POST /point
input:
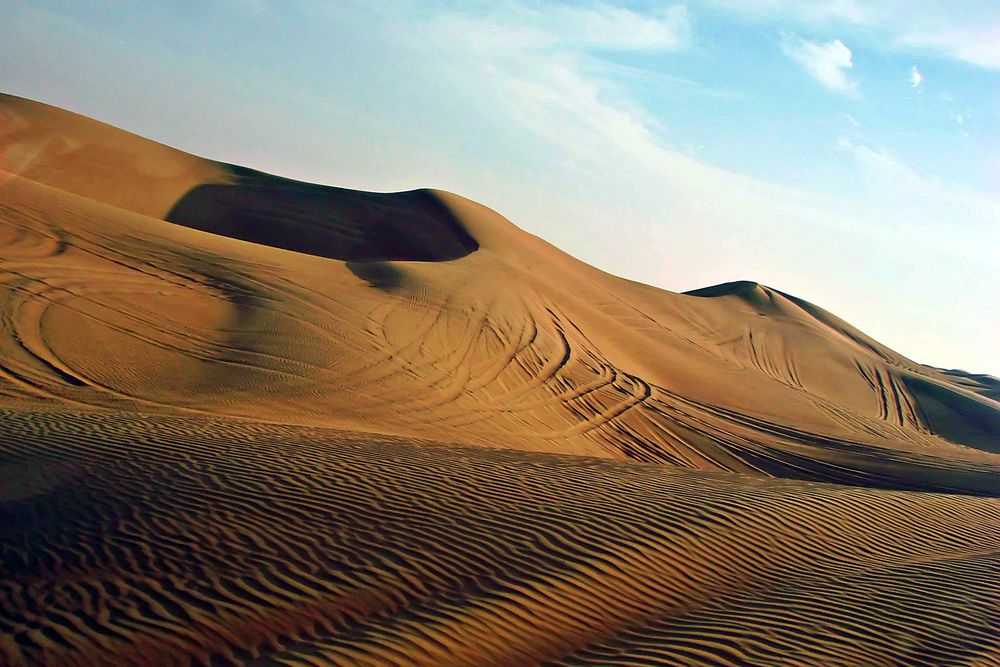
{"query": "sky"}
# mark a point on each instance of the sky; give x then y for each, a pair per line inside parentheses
(846, 152)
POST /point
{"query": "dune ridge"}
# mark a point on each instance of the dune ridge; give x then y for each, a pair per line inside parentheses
(250, 419)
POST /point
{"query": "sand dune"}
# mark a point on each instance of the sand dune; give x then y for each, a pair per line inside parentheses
(225, 396)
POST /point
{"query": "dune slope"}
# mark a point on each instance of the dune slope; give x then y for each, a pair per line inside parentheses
(224, 395)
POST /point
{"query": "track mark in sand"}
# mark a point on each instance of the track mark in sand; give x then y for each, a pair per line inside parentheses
(230, 541)
(440, 355)
(25, 237)
(515, 368)
(895, 406)
(778, 365)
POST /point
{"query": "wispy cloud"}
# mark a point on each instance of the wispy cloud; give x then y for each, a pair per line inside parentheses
(960, 119)
(926, 201)
(966, 30)
(602, 25)
(978, 44)
(878, 164)
(827, 62)
(812, 12)
(595, 25)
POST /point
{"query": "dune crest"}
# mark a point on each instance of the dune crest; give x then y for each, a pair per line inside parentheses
(197, 357)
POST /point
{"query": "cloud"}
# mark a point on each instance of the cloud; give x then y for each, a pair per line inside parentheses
(976, 44)
(916, 78)
(926, 202)
(960, 119)
(813, 12)
(603, 25)
(827, 62)
(879, 164)
(595, 25)
(966, 30)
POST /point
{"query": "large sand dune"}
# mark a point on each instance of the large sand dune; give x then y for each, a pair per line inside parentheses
(247, 418)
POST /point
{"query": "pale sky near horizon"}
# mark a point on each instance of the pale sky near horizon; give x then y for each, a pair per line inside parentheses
(845, 152)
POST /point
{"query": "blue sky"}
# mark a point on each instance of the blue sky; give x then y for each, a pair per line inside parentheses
(845, 152)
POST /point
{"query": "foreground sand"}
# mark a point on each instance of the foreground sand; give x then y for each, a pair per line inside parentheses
(224, 395)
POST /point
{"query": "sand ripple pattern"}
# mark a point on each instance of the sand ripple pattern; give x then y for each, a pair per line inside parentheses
(139, 539)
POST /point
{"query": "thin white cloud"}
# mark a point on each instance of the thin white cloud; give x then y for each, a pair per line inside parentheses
(595, 25)
(929, 204)
(916, 78)
(602, 25)
(879, 164)
(827, 62)
(966, 30)
(960, 119)
(805, 11)
(978, 44)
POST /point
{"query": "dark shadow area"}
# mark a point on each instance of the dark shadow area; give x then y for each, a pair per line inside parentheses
(980, 383)
(380, 275)
(959, 418)
(724, 289)
(326, 221)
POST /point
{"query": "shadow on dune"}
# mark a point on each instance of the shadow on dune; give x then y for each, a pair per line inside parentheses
(380, 275)
(959, 418)
(326, 221)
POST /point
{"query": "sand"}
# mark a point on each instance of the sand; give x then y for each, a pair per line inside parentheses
(246, 418)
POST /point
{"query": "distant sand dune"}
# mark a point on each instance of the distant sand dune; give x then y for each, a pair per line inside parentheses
(223, 395)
